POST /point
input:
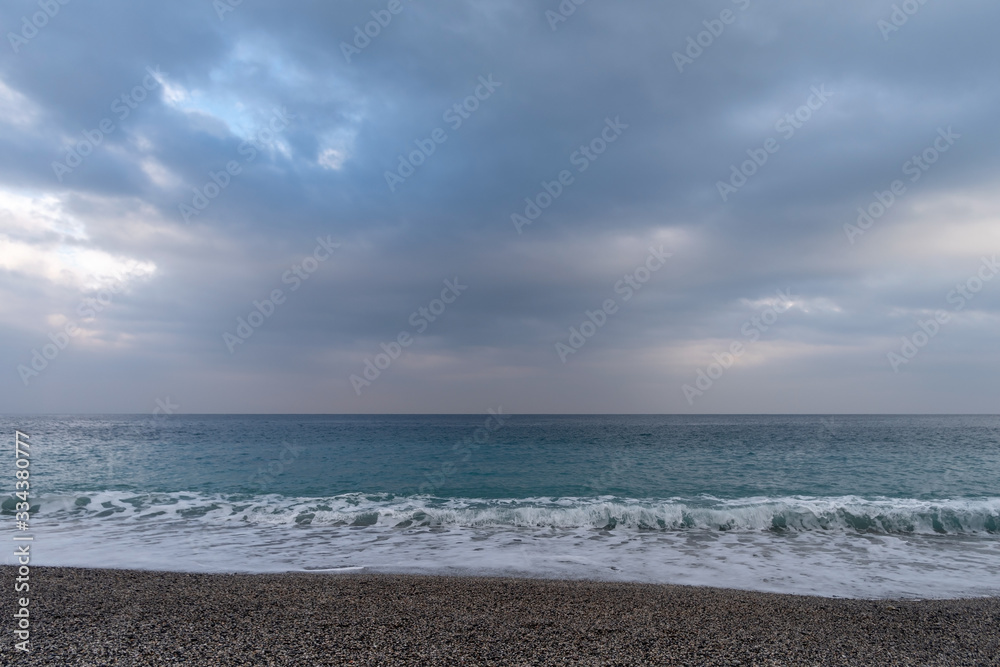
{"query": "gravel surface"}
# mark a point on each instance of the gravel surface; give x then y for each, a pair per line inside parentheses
(134, 618)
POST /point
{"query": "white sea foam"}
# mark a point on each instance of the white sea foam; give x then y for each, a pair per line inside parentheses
(846, 546)
(785, 514)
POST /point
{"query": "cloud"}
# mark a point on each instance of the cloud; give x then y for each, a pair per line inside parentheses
(217, 88)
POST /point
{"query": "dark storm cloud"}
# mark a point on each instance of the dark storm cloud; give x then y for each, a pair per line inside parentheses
(879, 97)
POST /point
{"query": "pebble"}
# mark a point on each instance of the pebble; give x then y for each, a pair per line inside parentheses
(135, 618)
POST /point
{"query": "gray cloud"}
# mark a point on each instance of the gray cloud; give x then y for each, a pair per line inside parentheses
(323, 173)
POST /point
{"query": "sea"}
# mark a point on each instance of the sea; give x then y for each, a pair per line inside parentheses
(836, 506)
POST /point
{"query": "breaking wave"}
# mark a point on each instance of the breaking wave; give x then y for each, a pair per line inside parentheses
(979, 516)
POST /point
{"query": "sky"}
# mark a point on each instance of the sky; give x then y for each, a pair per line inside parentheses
(724, 206)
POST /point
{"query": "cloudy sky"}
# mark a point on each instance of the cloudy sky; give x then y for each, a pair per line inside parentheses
(237, 207)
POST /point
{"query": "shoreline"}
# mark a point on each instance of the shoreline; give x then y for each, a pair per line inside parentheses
(138, 617)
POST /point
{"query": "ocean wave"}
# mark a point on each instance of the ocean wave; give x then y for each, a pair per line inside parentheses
(356, 510)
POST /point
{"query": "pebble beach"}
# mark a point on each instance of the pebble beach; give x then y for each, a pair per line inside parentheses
(134, 618)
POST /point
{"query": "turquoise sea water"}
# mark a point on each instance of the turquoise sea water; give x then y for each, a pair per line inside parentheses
(863, 506)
